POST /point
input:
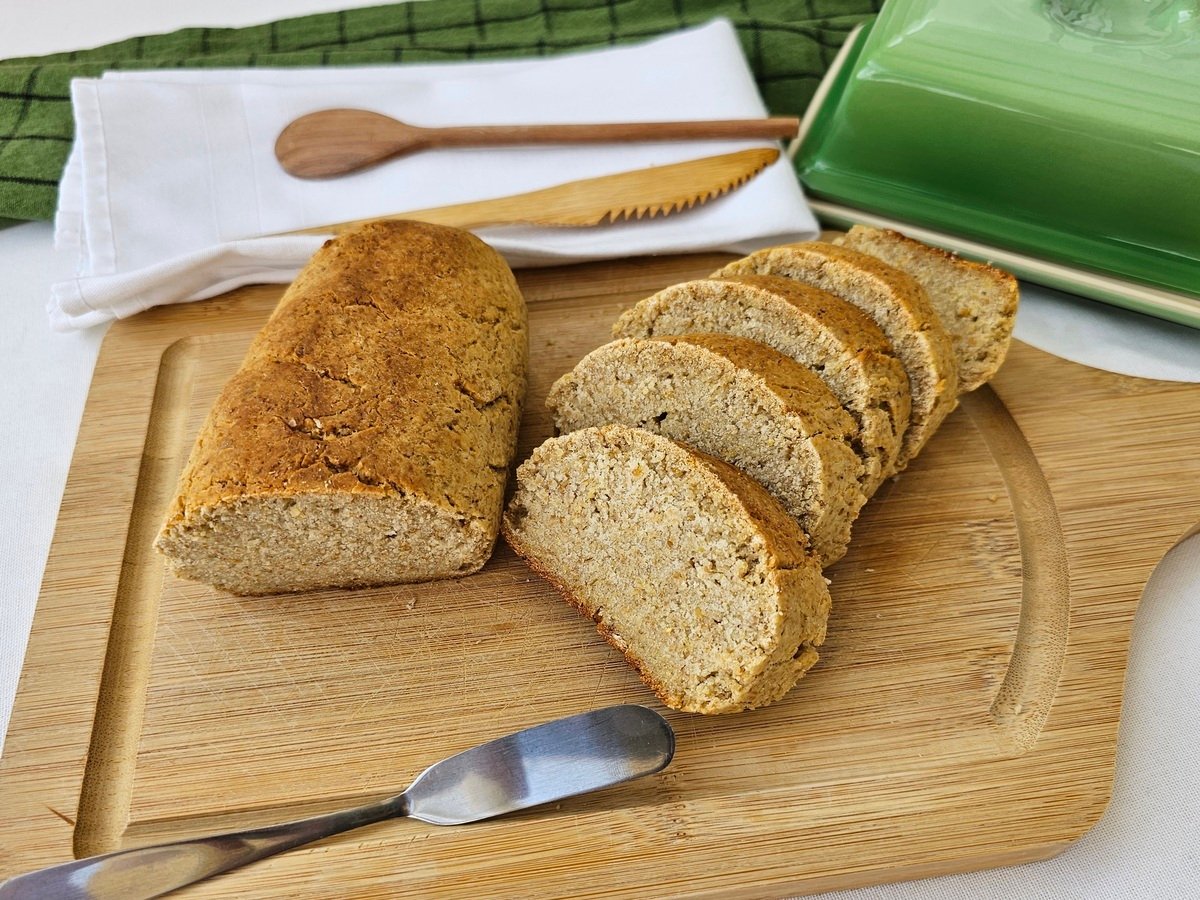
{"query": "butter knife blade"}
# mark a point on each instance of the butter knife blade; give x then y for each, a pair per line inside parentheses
(638, 194)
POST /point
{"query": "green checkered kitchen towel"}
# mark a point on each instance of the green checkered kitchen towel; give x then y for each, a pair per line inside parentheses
(789, 44)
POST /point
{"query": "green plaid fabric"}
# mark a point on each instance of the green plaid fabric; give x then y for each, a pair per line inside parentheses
(789, 44)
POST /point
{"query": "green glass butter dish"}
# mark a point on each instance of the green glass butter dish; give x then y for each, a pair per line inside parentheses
(1065, 133)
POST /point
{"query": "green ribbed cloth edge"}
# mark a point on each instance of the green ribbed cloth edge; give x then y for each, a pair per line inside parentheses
(789, 44)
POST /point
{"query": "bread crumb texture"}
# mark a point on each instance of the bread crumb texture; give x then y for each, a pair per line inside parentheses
(367, 436)
(686, 565)
(976, 303)
(835, 339)
(898, 305)
(741, 401)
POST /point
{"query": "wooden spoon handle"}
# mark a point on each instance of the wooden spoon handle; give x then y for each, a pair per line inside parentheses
(614, 133)
(337, 141)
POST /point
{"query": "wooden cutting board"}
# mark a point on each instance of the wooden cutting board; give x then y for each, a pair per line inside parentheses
(964, 712)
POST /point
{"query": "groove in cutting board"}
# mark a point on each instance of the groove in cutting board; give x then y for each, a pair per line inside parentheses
(1025, 696)
(112, 752)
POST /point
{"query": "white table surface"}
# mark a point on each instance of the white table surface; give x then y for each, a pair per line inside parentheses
(1146, 844)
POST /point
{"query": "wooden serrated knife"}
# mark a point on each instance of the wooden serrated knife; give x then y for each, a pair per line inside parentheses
(640, 194)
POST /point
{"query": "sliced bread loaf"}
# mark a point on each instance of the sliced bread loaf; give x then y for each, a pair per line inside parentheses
(686, 566)
(739, 400)
(976, 303)
(834, 338)
(367, 436)
(898, 305)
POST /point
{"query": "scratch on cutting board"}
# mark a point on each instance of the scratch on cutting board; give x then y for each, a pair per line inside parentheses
(917, 566)
(352, 714)
(277, 662)
(190, 658)
(600, 682)
(66, 819)
(924, 556)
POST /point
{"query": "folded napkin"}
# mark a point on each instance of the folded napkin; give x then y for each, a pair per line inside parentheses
(172, 182)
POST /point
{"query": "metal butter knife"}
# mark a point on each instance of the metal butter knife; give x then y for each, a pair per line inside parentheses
(642, 193)
(538, 765)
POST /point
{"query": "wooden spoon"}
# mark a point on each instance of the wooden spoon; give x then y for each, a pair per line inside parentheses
(336, 141)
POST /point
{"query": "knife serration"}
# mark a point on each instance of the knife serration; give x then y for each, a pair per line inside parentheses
(625, 196)
(689, 201)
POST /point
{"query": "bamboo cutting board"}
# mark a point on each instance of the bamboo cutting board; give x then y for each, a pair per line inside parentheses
(963, 714)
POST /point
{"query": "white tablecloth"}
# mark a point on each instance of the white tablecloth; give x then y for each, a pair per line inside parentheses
(1144, 847)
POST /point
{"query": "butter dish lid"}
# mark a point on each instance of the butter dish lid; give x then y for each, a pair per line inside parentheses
(1068, 130)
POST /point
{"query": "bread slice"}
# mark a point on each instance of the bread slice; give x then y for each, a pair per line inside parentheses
(739, 400)
(367, 436)
(900, 308)
(834, 338)
(686, 565)
(976, 303)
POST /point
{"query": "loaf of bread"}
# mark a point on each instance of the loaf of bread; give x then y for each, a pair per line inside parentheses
(739, 400)
(899, 306)
(687, 566)
(831, 336)
(977, 303)
(367, 436)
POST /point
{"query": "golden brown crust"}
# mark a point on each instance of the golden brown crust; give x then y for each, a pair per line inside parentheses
(393, 366)
(999, 276)
(335, 392)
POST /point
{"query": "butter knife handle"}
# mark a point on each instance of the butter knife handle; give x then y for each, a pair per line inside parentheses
(147, 872)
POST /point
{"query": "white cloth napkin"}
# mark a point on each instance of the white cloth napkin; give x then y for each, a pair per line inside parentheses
(173, 179)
